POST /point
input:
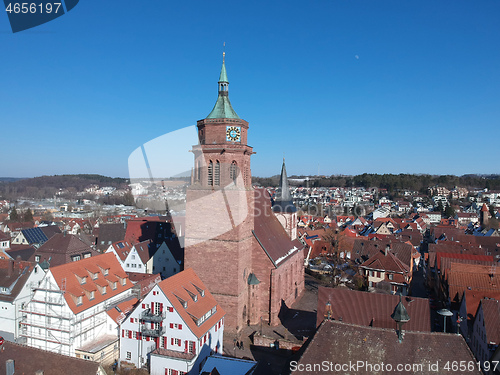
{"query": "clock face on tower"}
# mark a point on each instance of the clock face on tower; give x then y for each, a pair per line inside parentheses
(233, 133)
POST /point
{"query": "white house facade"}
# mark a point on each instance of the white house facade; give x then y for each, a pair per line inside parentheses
(17, 281)
(176, 326)
(68, 309)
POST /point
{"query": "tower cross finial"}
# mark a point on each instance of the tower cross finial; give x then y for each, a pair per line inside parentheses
(223, 52)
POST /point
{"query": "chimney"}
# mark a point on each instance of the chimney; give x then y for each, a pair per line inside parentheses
(387, 248)
(9, 367)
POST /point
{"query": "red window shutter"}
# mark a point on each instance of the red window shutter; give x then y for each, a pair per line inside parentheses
(194, 346)
(172, 340)
(171, 325)
(186, 346)
(152, 326)
(179, 342)
(152, 306)
(180, 326)
(131, 320)
(123, 333)
(161, 308)
(147, 338)
(143, 305)
(129, 334)
(139, 336)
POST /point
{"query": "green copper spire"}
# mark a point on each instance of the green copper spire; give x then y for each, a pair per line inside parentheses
(223, 74)
(223, 108)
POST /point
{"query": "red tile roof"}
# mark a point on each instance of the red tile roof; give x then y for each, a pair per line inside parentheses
(474, 297)
(463, 277)
(372, 309)
(67, 278)
(120, 311)
(28, 360)
(339, 343)
(184, 286)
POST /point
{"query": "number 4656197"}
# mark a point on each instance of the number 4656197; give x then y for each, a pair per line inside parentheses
(32, 8)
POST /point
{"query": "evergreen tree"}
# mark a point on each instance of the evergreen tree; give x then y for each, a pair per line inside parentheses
(14, 216)
(28, 215)
(449, 211)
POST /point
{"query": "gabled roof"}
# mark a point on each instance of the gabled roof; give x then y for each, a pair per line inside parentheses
(463, 277)
(372, 309)
(29, 360)
(491, 313)
(269, 233)
(61, 248)
(386, 262)
(109, 233)
(187, 286)
(13, 275)
(474, 297)
(119, 312)
(342, 343)
(23, 251)
(142, 249)
(69, 278)
(4, 236)
(122, 249)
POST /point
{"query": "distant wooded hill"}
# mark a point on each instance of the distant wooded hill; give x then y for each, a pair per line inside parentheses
(391, 182)
(47, 186)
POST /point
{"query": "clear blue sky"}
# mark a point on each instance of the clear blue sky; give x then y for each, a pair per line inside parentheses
(345, 86)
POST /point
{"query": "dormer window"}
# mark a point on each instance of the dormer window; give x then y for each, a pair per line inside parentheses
(37, 258)
(83, 280)
(185, 305)
(92, 295)
(79, 300)
(94, 276)
(103, 290)
(105, 272)
(114, 285)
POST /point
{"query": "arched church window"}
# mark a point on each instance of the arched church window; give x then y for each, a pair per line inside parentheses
(210, 173)
(233, 171)
(217, 173)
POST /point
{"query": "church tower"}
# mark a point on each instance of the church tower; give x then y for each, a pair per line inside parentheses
(283, 207)
(219, 208)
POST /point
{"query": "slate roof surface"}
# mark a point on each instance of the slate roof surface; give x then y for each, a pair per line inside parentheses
(109, 233)
(24, 251)
(185, 285)
(372, 309)
(66, 278)
(28, 360)
(491, 312)
(61, 247)
(269, 233)
(355, 343)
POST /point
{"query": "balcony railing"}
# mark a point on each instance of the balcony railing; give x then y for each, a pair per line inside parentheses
(152, 317)
(152, 331)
